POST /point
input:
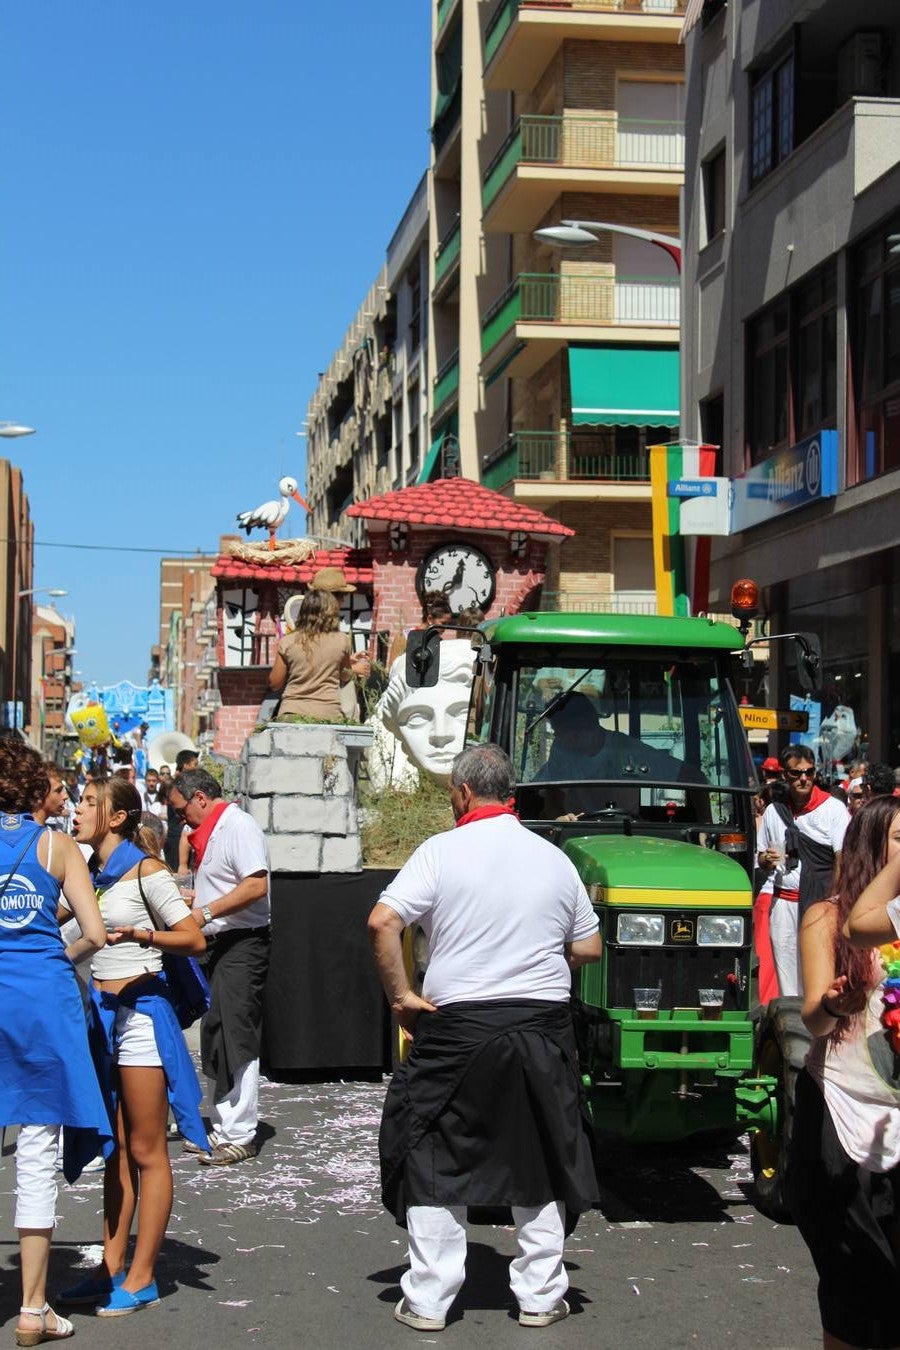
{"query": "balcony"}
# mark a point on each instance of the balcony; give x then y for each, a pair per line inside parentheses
(523, 36)
(540, 313)
(446, 259)
(444, 10)
(537, 465)
(543, 157)
(446, 381)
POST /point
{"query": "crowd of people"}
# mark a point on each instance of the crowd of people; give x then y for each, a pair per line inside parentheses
(488, 1109)
(102, 1059)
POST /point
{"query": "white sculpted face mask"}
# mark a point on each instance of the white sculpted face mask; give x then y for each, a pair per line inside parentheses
(431, 723)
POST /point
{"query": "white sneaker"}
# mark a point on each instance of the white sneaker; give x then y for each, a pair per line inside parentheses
(404, 1314)
(544, 1319)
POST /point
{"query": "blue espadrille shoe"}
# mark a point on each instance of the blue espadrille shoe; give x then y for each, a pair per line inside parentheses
(92, 1289)
(121, 1301)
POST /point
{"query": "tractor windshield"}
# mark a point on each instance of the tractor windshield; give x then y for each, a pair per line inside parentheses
(659, 726)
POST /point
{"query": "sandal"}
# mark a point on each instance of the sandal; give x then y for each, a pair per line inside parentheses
(223, 1155)
(37, 1336)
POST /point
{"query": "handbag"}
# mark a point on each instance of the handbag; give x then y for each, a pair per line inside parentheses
(188, 986)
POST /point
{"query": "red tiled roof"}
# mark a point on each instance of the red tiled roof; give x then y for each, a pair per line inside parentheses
(461, 504)
(356, 563)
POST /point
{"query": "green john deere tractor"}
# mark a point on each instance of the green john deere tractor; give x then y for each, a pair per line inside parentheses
(631, 757)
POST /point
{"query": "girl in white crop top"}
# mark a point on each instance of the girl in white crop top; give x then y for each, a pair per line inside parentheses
(843, 1180)
(108, 818)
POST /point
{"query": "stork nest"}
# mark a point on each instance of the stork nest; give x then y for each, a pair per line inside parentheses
(285, 551)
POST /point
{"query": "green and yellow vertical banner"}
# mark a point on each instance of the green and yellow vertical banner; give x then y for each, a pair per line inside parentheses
(680, 565)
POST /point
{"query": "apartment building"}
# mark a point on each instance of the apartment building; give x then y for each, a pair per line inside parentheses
(555, 370)
(792, 286)
(52, 644)
(172, 572)
(367, 422)
(16, 590)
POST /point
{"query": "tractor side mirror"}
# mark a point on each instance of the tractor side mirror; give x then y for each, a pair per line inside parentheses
(809, 661)
(423, 658)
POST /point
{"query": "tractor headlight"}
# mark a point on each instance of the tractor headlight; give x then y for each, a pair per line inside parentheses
(640, 930)
(720, 930)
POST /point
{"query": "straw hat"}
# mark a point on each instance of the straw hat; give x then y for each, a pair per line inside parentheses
(331, 579)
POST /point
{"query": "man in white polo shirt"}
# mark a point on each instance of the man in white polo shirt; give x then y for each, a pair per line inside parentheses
(231, 905)
(488, 1109)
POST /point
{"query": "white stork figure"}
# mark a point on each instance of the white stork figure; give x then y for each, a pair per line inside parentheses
(271, 514)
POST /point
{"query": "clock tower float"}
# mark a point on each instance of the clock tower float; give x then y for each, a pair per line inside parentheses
(475, 545)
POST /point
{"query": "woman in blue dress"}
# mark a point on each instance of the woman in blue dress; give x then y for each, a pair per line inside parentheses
(47, 1080)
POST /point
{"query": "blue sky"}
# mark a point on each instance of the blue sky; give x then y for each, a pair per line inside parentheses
(196, 197)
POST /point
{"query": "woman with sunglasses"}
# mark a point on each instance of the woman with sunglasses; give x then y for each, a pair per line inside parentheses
(843, 1175)
(798, 849)
(140, 1053)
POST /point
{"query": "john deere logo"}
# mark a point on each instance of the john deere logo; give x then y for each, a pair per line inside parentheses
(682, 930)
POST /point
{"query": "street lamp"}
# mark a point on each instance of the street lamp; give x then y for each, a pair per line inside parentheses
(43, 590)
(11, 429)
(579, 233)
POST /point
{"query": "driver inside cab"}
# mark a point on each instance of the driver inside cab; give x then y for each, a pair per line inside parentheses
(584, 751)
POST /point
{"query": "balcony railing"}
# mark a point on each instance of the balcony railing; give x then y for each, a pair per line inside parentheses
(568, 602)
(581, 299)
(446, 253)
(502, 18)
(443, 13)
(446, 381)
(600, 141)
(536, 455)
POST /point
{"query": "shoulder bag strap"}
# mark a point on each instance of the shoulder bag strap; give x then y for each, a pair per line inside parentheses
(28, 842)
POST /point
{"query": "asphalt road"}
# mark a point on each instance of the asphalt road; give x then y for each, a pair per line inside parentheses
(293, 1248)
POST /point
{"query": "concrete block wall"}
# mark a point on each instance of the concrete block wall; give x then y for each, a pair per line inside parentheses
(298, 782)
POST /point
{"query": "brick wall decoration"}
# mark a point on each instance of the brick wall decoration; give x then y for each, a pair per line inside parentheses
(447, 510)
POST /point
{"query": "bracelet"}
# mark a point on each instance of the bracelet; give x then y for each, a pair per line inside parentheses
(828, 1012)
(148, 935)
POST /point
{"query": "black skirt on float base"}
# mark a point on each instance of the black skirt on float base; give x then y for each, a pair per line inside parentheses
(488, 1111)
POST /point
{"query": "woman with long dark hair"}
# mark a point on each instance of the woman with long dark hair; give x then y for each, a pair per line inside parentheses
(314, 661)
(843, 1173)
(138, 1044)
(47, 1080)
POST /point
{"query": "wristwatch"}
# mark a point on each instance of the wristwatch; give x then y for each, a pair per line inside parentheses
(207, 914)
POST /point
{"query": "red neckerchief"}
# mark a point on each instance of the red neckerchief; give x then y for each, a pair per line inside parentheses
(199, 838)
(486, 812)
(816, 798)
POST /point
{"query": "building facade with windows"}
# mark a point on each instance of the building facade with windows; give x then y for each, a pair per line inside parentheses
(16, 583)
(367, 422)
(791, 330)
(555, 370)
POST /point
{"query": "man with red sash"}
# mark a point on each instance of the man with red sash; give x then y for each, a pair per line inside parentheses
(488, 1109)
(799, 846)
(231, 905)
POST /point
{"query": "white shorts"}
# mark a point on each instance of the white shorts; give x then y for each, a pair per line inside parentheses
(135, 1041)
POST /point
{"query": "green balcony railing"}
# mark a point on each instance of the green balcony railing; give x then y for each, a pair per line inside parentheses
(532, 455)
(446, 253)
(600, 141)
(446, 381)
(581, 298)
(443, 13)
(498, 26)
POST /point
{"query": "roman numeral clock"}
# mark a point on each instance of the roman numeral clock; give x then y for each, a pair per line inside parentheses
(461, 572)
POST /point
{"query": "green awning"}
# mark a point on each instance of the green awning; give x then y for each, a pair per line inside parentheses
(434, 454)
(624, 386)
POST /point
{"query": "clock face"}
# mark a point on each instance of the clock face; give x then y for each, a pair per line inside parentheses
(461, 572)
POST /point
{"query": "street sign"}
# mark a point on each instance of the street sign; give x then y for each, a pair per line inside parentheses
(692, 487)
(773, 719)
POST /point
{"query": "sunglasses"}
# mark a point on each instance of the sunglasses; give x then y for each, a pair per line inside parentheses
(796, 774)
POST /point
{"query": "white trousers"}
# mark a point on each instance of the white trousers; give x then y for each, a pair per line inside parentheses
(437, 1258)
(234, 1118)
(784, 926)
(36, 1187)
